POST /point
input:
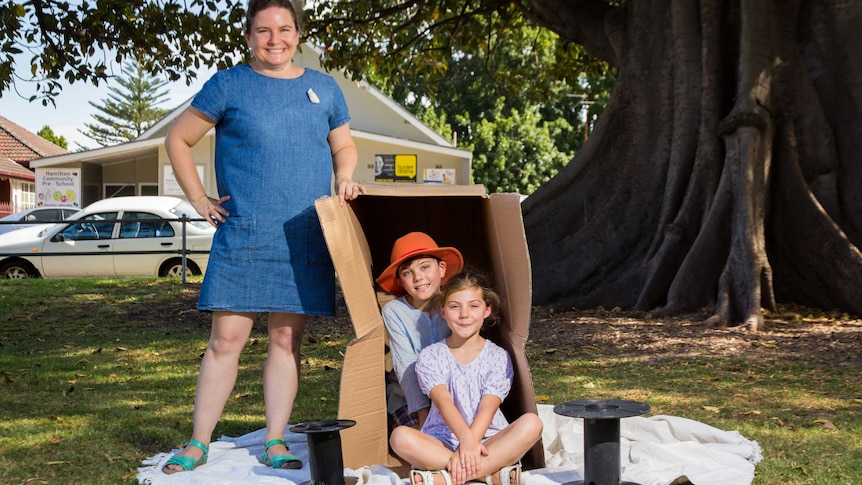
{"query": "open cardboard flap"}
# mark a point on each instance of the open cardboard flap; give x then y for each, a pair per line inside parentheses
(489, 232)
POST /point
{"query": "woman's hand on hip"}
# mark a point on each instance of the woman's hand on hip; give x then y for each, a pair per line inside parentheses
(211, 209)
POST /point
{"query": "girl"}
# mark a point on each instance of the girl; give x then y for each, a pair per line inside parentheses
(466, 437)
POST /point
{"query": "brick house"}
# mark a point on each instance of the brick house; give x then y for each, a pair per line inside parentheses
(18, 147)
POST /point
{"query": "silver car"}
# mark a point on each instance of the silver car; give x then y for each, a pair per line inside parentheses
(29, 217)
(122, 236)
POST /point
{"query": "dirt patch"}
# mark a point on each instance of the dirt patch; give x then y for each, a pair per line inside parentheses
(792, 335)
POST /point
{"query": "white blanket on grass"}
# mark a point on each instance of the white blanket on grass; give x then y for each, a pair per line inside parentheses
(654, 451)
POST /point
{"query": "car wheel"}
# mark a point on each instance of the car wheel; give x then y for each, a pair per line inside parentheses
(174, 267)
(17, 269)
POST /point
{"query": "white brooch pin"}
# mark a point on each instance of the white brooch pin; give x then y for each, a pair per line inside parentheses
(312, 96)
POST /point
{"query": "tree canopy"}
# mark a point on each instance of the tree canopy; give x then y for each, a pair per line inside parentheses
(87, 41)
(521, 132)
(48, 133)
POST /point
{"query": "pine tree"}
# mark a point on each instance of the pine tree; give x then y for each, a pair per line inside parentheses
(130, 109)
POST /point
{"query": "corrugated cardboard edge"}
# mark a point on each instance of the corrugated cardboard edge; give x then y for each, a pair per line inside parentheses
(512, 269)
(423, 190)
(363, 367)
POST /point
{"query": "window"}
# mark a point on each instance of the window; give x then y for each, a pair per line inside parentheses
(44, 215)
(90, 227)
(147, 189)
(66, 213)
(27, 196)
(114, 190)
(135, 225)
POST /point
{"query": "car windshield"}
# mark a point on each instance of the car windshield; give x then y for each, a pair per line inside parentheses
(186, 209)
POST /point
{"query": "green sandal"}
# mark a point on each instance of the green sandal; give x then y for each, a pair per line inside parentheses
(187, 463)
(287, 462)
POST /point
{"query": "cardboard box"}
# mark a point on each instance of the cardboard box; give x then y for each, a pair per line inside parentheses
(489, 232)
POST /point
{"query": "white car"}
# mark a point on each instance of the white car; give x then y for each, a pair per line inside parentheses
(121, 236)
(29, 217)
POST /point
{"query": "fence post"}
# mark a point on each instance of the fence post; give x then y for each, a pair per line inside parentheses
(183, 220)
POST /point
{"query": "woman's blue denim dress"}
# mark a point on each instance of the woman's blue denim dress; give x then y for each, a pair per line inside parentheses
(273, 158)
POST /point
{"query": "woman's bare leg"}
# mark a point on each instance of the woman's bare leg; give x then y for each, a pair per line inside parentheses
(217, 375)
(281, 373)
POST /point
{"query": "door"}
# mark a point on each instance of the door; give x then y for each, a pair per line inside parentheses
(83, 248)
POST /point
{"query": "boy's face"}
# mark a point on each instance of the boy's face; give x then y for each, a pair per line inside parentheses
(421, 278)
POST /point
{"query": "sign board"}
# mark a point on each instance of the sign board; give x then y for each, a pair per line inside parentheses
(395, 168)
(58, 187)
(444, 176)
(170, 186)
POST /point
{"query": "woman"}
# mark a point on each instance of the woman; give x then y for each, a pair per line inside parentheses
(281, 130)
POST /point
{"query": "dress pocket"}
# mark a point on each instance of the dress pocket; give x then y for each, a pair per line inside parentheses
(235, 238)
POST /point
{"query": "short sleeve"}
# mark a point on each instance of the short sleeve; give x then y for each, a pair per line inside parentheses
(340, 114)
(404, 347)
(499, 374)
(212, 98)
(430, 368)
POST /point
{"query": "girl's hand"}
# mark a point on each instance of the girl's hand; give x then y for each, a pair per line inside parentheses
(456, 471)
(347, 189)
(470, 453)
(211, 209)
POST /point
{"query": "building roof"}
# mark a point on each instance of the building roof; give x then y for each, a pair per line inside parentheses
(21, 146)
(12, 169)
(371, 110)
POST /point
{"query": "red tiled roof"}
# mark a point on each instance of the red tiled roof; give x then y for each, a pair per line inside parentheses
(22, 146)
(9, 168)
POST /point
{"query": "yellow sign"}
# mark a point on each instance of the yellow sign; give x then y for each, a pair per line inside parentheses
(395, 168)
(405, 166)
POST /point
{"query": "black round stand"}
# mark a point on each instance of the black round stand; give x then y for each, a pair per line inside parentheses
(324, 449)
(601, 436)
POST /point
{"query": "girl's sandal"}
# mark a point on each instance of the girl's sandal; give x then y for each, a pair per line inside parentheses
(427, 476)
(506, 475)
(187, 463)
(287, 462)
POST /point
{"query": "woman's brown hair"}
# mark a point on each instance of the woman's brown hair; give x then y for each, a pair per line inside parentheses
(255, 6)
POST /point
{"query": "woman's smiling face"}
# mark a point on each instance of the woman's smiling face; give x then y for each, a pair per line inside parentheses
(273, 39)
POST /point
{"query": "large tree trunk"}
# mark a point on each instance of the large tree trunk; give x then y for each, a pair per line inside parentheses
(726, 170)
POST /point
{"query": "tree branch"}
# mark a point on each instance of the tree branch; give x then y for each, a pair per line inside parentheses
(590, 23)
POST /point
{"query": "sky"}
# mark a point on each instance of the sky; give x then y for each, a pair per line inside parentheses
(72, 109)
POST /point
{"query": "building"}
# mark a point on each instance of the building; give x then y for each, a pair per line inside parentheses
(18, 147)
(393, 146)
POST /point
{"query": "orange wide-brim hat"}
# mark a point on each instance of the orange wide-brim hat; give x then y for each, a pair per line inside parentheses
(411, 246)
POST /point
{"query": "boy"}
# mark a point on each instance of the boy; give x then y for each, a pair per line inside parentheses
(417, 269)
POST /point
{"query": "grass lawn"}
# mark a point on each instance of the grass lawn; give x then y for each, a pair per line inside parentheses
(98, 374)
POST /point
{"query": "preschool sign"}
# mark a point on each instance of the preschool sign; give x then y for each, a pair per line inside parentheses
(58, 187)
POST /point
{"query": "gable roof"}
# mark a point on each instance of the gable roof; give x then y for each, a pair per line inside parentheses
(10, 168)
(21, 146)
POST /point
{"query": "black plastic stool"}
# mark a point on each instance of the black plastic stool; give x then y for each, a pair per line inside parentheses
(601, 436)
(324, 449)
